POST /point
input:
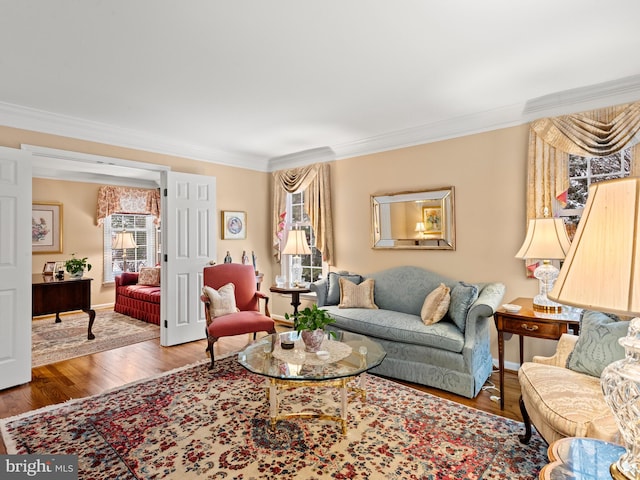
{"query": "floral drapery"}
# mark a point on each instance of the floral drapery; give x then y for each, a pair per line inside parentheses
(129, 200)
(315, 180)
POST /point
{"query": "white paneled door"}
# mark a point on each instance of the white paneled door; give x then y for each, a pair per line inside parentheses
(15, 267)
(188, 243)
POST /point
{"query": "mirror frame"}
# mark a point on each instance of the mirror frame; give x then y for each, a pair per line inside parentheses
(441, 199)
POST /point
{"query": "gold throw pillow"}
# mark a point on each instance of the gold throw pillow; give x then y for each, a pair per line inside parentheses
(435, 305)
(356, 296)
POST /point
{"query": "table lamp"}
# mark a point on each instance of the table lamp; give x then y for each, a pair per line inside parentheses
(602, 272)
(122, 241)
(546, 240)
(420, 228)
(296, 245)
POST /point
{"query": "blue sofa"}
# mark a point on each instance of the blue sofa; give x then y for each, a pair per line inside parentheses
(452, 355)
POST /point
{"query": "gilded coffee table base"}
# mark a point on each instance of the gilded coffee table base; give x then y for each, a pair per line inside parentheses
(274, 384)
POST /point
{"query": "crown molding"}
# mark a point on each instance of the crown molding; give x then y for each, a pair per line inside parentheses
(606, 94)
(300, 159)
(27, 118)
(433, 132)
(600, 95)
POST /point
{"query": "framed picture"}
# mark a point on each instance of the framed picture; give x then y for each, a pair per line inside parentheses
(434, 221)
(49, 268)
(234, 225)
(46, 227)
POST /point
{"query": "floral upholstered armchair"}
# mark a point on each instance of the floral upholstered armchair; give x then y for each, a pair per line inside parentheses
(561, 395)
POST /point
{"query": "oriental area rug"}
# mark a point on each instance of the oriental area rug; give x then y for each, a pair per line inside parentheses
(200, 423)
(53, 342)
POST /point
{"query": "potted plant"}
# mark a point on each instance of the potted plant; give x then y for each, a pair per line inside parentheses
(310, 322)
(76, 266)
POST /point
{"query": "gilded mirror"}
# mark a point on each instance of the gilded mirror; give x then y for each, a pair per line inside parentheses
(422, 219)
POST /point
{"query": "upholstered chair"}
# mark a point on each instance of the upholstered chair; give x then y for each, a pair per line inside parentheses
(232, 303)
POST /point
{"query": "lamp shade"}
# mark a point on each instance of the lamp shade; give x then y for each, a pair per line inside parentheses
(123, 240)
(420, 227)
(602, 269)
(297, 243)
(546, 240)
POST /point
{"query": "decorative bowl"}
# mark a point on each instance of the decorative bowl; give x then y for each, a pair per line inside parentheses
(511, 308)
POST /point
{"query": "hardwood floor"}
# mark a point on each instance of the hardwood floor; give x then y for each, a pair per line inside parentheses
(94, 374)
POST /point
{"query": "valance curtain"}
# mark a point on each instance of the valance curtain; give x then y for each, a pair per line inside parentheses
(127, 200)
(596, 133)
(315, 181)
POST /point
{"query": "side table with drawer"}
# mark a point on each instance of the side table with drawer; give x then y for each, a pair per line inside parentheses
(529, 323)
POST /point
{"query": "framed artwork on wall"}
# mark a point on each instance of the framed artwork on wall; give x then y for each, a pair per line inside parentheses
(46, 227)
(234, 225)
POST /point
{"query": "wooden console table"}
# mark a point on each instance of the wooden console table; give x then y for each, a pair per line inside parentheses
(50, 295)
(527, 323)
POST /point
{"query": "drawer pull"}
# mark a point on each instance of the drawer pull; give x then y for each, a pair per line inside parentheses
(531, 328)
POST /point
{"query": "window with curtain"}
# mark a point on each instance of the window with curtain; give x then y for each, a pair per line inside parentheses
(582, 172)
(312, 266)
(569, 152)
(143, 229)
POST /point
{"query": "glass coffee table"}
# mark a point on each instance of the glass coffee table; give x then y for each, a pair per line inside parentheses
(344, 358)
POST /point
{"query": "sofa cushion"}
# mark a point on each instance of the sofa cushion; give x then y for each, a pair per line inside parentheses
(398, 327)
(144, 293)
(597, 345)
(149, 276)
(222, 301)
(333, 288)
(357, 296)
(435, 305)
(462, 297)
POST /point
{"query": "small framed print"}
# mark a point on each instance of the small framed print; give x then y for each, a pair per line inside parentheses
(49, 268)
(234, 225)
(46, 227)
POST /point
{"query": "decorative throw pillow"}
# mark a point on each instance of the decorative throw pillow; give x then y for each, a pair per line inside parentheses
(149, 276)
(222, 301)
(462, 297)
(357, 296)
(333, 281)
(597, 344)
(435, 305)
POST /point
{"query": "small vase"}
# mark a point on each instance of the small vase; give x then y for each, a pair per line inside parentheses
(77, 274)
(313, 339)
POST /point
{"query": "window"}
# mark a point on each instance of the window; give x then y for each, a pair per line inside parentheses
(144, 234)
(312, 266)
(583, 171)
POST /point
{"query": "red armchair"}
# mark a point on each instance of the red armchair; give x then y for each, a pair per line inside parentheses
(248, 318)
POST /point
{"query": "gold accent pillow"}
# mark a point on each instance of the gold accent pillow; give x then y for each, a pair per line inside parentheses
(435, 305)
(149, 276)
(356, 296)
(222, 301)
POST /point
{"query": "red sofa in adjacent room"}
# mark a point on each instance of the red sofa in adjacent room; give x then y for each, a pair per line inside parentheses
(139, 300)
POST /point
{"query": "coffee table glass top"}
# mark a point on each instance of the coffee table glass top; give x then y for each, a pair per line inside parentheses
(350, 355)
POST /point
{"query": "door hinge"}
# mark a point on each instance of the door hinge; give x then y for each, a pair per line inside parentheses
(166, 324)
(166, 257)
(165, 192)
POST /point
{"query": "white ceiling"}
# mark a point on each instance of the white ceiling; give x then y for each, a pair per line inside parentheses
(270, 84)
